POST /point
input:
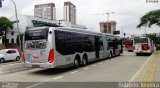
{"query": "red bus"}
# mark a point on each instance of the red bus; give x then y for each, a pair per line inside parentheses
(129, 45)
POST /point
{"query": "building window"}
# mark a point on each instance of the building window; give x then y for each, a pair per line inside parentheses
(7, 40)
(12, 33)
(12, 40)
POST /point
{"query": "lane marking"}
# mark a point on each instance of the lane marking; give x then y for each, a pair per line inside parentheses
(86, 68)
(100, 63)
(93, 65)
(73, 72)
(37, 84)
(34, 85)
(137, 73)
(57, 77)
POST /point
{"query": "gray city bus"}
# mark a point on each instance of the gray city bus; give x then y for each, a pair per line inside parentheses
(58, 47)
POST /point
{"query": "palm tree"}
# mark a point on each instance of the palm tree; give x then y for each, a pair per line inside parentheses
(150, 18)
(5, 23)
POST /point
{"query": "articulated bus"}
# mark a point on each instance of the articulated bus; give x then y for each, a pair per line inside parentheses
(143, 45)
(59, 47)
(129, 44)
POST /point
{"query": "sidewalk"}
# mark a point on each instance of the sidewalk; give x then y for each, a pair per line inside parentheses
(152, 73)
(157, 73)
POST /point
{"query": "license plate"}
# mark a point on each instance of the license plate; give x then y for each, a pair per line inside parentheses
(35, 66)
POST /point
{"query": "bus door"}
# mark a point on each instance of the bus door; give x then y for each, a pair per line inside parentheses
(114, 47)
(97, 46)
(121, 44)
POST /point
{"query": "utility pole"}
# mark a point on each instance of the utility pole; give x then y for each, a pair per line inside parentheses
(17, 24)
(0, 3)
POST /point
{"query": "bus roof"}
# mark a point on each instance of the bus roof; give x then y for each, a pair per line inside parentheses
(78, 30)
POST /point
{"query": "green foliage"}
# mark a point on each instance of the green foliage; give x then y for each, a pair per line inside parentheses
(152, 37)
(150, 18)
(158, 40)
(5, 22)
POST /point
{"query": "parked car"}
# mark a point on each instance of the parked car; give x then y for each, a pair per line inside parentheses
(9, 54)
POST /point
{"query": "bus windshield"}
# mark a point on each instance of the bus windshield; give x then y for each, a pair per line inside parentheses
(141, 40)
(38, 34)
(36, 39)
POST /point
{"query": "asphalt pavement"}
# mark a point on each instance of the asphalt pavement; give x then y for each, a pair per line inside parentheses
(125, 68)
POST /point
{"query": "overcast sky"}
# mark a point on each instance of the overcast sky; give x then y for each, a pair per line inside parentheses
(127, 12)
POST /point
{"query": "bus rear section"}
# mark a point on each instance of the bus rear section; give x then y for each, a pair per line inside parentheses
(143, 45)
(38, 48)
(129, 45)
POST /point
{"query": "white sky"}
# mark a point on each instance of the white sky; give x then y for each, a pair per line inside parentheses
(127, 12)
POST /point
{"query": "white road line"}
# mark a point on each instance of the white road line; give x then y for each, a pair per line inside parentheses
(86, 68)
(34, 85)
(57, 77)
(93, 65)
(100, 63)
(145, 63)
(73, 72)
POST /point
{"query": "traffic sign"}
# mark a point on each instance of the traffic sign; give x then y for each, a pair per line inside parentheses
(0, 3)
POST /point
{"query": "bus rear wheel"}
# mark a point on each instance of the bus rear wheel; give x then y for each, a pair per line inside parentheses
(84, 61)
(110, 55)
(76, 63)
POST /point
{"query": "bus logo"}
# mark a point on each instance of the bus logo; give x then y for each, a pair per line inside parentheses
(35, 57)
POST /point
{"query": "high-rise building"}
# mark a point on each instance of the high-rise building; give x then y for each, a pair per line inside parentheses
(108, 27)
(46, 11)
(70, 12)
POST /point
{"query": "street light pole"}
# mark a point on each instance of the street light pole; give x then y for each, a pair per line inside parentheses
(17, 24)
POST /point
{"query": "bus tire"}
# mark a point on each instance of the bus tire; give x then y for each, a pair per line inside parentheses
(137, 54)
(110, 55)
(84, 60)
(76, 62)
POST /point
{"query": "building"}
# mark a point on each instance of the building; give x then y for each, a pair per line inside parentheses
(108, 27)
(70, 12)
(46, 11)
(26, 22)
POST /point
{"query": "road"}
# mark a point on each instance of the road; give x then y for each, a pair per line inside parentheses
(118, 69)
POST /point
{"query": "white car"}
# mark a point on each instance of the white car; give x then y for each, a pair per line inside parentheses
(9, 54)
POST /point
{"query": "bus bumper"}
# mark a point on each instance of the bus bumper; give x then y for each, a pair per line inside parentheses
(38, 65)
(147, 51)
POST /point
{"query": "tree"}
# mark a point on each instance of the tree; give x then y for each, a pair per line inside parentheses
(152, 37)
(5, 24)
(150, 18)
